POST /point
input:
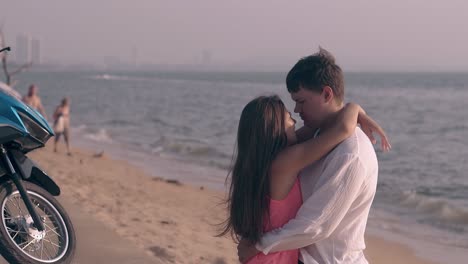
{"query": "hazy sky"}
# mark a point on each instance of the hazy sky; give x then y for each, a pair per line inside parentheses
(363, 34)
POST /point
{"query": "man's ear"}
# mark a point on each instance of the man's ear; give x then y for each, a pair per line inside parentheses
(327, 94)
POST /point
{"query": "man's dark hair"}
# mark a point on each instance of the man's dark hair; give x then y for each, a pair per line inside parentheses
(316, 71)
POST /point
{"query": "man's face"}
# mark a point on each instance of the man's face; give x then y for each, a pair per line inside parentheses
(310, 106)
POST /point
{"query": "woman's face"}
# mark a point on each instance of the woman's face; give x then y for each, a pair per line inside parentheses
(290, 128)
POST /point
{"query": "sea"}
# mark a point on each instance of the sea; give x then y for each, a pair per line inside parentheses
(182, 125)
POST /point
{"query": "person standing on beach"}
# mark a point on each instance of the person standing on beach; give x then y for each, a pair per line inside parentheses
(338, 189)
(34, 101)
(62, 124)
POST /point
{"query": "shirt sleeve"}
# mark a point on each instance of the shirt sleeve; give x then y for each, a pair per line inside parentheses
(321, 213)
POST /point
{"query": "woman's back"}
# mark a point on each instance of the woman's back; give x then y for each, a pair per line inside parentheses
(281, 211)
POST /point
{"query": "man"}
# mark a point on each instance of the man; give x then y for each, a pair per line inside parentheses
(337, 190)
(34, 101)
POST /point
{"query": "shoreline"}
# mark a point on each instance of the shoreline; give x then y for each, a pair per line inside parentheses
(176, 222)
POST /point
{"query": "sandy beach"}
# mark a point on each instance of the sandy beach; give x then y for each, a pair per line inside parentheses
(170, 221)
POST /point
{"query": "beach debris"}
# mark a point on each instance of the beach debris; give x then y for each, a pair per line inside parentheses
(99, 154)
(167, 222)
(175, 182)
(219, 260)
(161, 253)
(202, 188)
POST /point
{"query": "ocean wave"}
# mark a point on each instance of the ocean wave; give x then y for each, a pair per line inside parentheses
(100, 136)
(79, 128)
(160, 122)
(193, 150)
(440, 209)
(119, 122)
(112, 77)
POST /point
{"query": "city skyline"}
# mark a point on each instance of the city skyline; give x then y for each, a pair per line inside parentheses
(364, 35)
(27, 50)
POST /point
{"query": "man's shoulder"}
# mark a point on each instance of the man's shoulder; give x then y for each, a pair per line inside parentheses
(356, 146)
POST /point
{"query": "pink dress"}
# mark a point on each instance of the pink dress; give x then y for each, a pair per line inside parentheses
(281, 211)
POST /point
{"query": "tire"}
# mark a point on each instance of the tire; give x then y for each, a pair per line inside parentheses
(16, 231)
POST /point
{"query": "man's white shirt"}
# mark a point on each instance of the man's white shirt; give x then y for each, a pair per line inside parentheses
(337, 191)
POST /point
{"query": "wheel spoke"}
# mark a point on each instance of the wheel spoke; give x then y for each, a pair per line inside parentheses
(19, 205)
(20, 244)
(15, 235)
(52, 229)
(49, 256)
(13, 202)
(32, 240)
(51, 242)
(42, 247)
(17, 231)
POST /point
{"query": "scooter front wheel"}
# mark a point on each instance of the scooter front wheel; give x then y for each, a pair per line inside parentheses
(20, 241)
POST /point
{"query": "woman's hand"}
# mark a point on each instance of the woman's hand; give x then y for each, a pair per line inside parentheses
(369, 126)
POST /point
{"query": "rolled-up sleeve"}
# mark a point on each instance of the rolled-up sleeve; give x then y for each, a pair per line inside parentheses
(321, 213)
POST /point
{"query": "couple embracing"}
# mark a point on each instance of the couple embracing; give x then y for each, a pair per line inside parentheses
(303, 196)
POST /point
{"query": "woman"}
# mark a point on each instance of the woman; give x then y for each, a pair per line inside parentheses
(265, 190)
(62, 124)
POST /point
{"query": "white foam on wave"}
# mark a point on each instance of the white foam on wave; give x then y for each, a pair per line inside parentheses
(111, 77)
(439, 208)
(100, 136)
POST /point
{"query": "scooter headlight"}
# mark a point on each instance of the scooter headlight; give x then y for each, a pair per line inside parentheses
(34, 129)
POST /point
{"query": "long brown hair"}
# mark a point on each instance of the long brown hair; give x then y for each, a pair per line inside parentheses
(260, 137)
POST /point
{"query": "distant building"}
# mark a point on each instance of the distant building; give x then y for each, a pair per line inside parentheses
(206, 57)
(134, 59)
(27, 50)
(22, 50)
(36, 51)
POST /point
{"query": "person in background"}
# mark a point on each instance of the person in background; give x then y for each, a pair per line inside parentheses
(34, 101)
(62, 124)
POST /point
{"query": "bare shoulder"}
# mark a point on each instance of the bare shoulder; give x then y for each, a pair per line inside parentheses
(282, 179)
(281, 183)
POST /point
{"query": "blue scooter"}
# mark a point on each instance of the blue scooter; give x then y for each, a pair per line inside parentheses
(34, 227)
